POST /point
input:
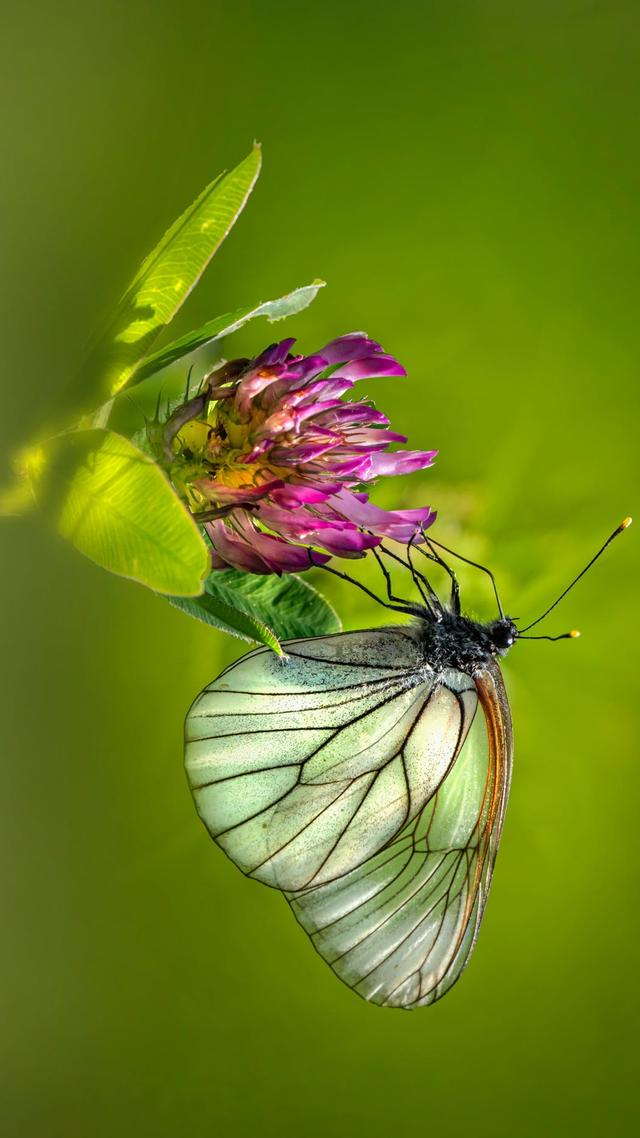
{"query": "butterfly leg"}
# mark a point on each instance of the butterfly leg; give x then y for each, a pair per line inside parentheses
(387, 576)
(402, 607)
(418, 579)
(455, 587)
(434, 602)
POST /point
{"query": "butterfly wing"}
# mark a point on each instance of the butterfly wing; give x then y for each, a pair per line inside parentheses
(302, 768)
(399, 929)
(330, 774)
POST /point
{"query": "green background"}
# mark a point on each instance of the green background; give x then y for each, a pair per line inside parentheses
(465, 177)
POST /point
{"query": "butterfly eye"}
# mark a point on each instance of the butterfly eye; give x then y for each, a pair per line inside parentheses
(503, 635)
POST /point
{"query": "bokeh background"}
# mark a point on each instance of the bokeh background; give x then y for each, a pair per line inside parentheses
(465, 176)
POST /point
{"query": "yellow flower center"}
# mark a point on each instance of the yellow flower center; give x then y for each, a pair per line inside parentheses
(212, 450)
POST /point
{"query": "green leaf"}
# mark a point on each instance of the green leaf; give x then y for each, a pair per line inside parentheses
(224, 325)
(226, 617)
(116, 506)
(164, 281)
(288, 605)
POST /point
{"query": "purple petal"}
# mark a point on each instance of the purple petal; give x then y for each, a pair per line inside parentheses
(374, 438)
(296, 525)
(288, 418)
(233, 551)
(274, 354)
(352, 414)
(256, 552)
(217, 562)
(400, 462)
(326, 388)
(371, 367)
(332, 532)
(399, 524)
(283, 557)
(347, 543)
(303, 453)
(405, 532)
(316, 480)
(257, 451)
(291, 495)
(313, 409)
(305, 367)
(355, 468)
(280, 422)
(252, 385)
(293, 379)
(353, 346)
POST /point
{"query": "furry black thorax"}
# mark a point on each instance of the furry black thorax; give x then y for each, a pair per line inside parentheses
(457, 641)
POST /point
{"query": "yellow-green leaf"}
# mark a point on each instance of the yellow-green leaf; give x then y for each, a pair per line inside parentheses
(163, 282)
(116, 506)
(222, 326)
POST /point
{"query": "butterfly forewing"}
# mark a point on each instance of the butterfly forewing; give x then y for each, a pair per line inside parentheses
(341, 776)
(275, 749)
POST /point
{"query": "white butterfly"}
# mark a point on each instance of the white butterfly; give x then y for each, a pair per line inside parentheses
(352, 776)
(358, 776)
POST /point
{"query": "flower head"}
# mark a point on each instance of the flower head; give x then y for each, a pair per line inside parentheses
(273, 462)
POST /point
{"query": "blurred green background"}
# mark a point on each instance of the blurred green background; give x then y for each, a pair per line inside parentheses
(465, 176)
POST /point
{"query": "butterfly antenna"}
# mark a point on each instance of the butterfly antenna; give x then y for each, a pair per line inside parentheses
(573, 635)
(476, 565)
(620, 529)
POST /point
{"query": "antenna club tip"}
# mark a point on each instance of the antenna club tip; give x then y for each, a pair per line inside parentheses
(575, 633)
(624, 524)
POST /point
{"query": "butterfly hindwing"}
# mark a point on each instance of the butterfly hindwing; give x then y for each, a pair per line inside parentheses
(399, 929)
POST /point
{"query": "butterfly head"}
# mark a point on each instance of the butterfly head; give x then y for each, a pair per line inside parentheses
(502, 635)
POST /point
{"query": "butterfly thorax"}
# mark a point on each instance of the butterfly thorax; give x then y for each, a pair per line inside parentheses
(457, 641)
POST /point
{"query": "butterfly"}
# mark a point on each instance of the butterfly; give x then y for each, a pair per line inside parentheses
(365, 775)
